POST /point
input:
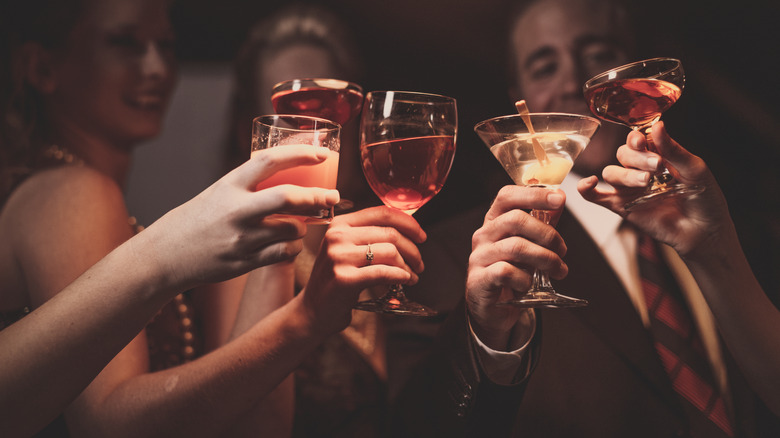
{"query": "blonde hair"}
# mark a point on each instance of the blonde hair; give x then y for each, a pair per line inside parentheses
(295, 24)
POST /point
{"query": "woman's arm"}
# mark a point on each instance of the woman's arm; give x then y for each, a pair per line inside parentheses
(206, 396)
(63, 221)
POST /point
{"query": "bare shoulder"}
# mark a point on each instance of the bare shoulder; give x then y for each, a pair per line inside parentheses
(67, 193)
(61, 221)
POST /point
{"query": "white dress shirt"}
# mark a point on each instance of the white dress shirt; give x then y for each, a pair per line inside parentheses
(618, 245)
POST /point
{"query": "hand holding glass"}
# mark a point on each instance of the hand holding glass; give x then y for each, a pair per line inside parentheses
(636, 95)
(282, 130)
(563, 137)
(407, 144)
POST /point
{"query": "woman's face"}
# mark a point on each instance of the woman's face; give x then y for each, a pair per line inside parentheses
(294, 61)
(116, 74)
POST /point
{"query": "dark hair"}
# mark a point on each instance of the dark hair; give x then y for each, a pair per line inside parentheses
(44, 22)
(295, 24)
(519, 8)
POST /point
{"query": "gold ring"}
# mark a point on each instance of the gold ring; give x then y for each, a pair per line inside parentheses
(369, 255)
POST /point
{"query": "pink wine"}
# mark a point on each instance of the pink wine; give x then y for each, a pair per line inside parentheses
(337, 105)
(634, 102)
(406, 173)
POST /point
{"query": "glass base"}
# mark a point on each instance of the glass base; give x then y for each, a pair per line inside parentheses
(663, 192)
(396, 304)
(545, 299)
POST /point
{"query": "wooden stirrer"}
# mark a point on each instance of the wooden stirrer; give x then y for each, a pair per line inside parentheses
(522, 109)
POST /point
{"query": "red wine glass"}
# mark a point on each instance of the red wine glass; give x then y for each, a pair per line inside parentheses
(407, 144)
(332, 99)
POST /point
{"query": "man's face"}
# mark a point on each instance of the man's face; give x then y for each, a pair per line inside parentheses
(558, 45)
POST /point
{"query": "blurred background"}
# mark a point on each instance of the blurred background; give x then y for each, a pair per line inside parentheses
(728, 113)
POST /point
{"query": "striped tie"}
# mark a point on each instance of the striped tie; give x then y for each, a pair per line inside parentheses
(678, 344)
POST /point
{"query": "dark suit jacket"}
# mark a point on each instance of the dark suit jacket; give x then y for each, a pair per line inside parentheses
(437, 386)
(598, 375)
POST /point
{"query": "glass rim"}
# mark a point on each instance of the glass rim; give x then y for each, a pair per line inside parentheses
(515, 116)
(331, 125)
(632, 64)
(439, 97)
(349, 84)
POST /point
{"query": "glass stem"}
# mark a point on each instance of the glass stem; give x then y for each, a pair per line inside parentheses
(541, 281)
(662, 178)
(396, 291)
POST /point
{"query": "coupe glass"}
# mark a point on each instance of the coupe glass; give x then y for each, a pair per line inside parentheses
(636, 95)
(513, 140)
(407, 144)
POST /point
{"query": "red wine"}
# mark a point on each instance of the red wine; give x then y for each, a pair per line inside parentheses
(337, 105)
(406, 173)
(633, 102)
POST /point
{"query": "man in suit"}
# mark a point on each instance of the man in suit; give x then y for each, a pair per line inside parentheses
(599, 373)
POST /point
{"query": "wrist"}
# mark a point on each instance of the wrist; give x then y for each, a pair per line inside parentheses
(718, 247)
(494, 332)
(306, 321)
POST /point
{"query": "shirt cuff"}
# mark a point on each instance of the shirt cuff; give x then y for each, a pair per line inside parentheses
(508, 367)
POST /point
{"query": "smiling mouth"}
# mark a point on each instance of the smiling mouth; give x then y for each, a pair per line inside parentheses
(147, 102)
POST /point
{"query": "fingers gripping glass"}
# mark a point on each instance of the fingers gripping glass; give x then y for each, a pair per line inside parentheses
(538, 150)
(636, 95)
(407, 144)
(289, 130)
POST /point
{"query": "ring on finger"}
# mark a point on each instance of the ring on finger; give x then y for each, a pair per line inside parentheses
(369, 255)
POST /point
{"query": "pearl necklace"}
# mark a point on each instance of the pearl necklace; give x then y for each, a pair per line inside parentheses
(62, 155)
(181, 307)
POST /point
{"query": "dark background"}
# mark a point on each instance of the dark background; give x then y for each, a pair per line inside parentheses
(728, 113)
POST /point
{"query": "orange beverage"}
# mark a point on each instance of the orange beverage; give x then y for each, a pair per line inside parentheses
(291, 130)
(319, 175)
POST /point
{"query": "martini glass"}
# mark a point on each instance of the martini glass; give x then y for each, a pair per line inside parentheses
(407, 144)
(636, 95)
(515, 142)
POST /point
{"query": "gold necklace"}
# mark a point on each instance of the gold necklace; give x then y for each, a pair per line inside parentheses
(183, 310)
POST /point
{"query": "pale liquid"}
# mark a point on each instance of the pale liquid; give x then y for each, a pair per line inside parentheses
(518, 158)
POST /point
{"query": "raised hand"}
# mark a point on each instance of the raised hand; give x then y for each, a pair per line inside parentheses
(343, 269)
(505, 251)
(685, 222)
(229, 223)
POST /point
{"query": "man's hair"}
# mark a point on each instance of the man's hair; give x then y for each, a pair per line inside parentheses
(519, 9)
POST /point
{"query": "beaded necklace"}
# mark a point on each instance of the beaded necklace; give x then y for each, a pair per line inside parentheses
(179, 303)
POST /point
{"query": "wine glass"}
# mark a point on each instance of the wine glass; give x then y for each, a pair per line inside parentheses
(407, 144)
(280, 130)
(636, 95)
(538, 150)
(333, 99)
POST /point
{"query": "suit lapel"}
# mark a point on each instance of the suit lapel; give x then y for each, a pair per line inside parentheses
(610, 314)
